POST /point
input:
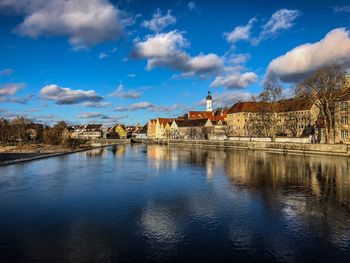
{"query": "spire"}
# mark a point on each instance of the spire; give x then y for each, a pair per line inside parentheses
(208, 99)
(209, 96)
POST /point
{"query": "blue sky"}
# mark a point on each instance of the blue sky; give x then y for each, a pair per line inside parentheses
(127, 61)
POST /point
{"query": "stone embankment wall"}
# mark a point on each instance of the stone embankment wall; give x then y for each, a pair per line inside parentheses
(105, 142)
(268, 139)
(281, 147)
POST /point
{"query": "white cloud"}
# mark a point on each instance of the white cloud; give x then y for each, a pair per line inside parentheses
(159, 21)
(102, 55)
(100, 104)
(235, 80)
(280, 20)
(84, 22)
(68, 96)
(238, 59)
(136, 106)
(103, 118)
(89, 115)
(144, 105)
(14, 100)
(166, 50)
(240, 32)
(293, 66)
(191, 6)
(8, 92)
(6, 72)
(120, 93)
(160, 45)
(10, 88)
(345, 8)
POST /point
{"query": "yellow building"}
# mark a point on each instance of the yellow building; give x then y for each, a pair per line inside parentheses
(120, 130)
(291, 117)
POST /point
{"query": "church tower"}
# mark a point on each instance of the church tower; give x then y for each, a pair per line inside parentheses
(209, 99)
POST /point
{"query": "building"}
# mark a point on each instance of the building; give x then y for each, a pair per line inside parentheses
(209, 102)
(151, 129)
(162, 128)
(190, 129)
(290, 117)
(215, 116)
(88, 132)
(341, 119)
(117, 132)
(142, 135)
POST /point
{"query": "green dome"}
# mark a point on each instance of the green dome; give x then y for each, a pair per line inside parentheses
(209, 97)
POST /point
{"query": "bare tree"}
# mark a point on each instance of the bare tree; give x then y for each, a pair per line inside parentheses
(264, 122)
(324, 88)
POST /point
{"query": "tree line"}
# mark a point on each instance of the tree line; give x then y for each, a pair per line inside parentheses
(20, 130)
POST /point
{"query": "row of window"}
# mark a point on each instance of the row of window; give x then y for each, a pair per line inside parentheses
(344, 105)
(344, 134)
(344, 119)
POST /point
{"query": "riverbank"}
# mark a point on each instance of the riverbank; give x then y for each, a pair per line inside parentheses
(29, 152)
(278, 147)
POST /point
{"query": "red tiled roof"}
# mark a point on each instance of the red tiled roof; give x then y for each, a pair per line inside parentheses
(196, 115)
(164, 121)
(296, 104)
(191, 123)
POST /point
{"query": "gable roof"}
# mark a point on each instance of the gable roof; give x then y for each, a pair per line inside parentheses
(93, 127)
(144, 129)
(191, 123)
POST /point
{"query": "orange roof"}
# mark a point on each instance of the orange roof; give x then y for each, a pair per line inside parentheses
(191, 123)
(197, 115)
(163, 121)
(296, 104)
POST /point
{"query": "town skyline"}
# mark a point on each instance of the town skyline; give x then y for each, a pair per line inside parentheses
(130, 62)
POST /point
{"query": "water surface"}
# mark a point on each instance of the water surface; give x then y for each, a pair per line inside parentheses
(157, 203)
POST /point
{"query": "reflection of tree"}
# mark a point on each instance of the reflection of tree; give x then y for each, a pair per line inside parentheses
(310, 193)
(96, 152)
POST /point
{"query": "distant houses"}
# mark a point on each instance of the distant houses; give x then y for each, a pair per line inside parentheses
(206, 124)
(99, 131)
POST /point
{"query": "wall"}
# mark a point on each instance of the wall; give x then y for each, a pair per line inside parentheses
(282, 147)
(103, 142)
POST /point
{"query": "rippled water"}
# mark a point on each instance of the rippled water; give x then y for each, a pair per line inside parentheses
(158, 203)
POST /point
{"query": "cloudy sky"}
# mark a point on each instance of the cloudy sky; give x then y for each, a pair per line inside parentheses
(127, 61)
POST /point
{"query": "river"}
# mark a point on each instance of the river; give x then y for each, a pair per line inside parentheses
(151, 203)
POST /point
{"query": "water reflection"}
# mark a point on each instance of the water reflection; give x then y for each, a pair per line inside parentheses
(312, 193)
(165, 203)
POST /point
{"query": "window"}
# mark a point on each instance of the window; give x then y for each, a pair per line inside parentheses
(344, 119)
(344, 134)
(344, 105)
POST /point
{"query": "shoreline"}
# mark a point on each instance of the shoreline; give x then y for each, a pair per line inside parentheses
(32, 155)
(44, 156)
(341, 150)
